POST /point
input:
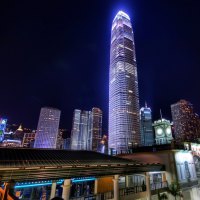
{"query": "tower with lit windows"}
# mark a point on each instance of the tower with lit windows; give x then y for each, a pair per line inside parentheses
(86, 129)
(186, 122)
(147, 136)
(80, 129)
(124, 126)
(95, 133)
(47, 129)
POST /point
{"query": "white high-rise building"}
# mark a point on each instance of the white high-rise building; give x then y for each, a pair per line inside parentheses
(124, 125)
(47, 129)
(86, 129)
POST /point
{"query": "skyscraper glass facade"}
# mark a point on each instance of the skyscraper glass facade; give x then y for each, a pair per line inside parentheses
(86, 129)
(96, 129)
(147, 137)
(124, 123)
(47, 129)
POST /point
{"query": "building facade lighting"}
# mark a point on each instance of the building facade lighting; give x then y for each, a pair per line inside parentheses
(123, 86)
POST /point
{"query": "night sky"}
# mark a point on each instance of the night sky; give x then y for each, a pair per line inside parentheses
(56, 53)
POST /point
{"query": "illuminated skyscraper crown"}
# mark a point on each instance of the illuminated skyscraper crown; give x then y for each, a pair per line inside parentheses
(121, 13)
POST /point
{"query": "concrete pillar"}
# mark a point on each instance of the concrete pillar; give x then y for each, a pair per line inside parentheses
(96, 186)
(116, 187)
(53, 190)
(163, 177)
(127, 181)
(66, 189)
(148, 186)
(194, 193)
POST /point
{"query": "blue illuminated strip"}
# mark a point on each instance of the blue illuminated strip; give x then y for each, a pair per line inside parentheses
(45, 183)
(82, 180)
(26, 185)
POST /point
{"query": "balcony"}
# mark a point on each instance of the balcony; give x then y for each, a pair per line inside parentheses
(161, 186)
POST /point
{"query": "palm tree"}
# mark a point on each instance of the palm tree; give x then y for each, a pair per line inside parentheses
(175, 189)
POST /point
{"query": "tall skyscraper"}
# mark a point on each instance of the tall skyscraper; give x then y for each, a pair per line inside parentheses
(47, 129)
(186, 122)
(95, 132)
(76, 122)
(124, 122)
(86, 129)
(147, 136)
(80, 130)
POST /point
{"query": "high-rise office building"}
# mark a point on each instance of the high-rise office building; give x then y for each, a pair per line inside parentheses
(95, 132)
(80, 130)
(28, 140)
(124, 125)
(86, 129)
(47, 129)
(147, 136)
(76, 122)
(185, 121)
(60, 140)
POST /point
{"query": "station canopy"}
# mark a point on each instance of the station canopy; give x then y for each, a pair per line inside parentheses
(23, 164)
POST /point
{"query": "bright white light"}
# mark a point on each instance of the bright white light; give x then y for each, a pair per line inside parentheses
(3, 121)
(159, 131)
(168, 130)
(121, 13)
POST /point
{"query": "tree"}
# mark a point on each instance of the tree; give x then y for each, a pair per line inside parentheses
(175, 189)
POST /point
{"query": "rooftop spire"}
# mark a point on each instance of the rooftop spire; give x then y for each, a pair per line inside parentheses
(161, 114)
(20, 128)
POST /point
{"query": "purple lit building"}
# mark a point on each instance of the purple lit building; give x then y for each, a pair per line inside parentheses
(124, 125)
(47, 129)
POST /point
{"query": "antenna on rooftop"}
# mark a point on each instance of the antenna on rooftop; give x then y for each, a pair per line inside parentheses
(161, 114)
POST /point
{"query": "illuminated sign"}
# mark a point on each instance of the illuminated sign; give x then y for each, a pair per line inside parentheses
(3, 124)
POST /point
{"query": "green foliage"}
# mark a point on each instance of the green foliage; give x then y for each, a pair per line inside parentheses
(175, 189)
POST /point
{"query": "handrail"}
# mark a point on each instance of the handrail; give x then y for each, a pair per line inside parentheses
(159, 185)
(102, 196)
(131, 190)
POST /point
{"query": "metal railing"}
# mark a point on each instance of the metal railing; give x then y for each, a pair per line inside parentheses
(159, 185)
(131, 190)
(100, 196)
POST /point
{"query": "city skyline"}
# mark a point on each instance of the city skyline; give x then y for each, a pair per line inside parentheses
(33, 52)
